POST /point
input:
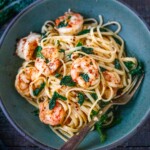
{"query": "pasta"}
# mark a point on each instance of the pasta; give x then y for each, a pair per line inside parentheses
(71, 68)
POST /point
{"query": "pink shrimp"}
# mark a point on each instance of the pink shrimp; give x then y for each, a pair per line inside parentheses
(52, 117)
(69, 24)
(84, 66)
(27, 45)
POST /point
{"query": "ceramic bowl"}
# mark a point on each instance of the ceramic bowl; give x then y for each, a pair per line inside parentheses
(19, 111)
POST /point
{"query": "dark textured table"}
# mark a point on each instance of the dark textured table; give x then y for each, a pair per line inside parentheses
(10, 139)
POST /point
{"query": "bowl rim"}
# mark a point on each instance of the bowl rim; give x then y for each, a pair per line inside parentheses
(27, 136)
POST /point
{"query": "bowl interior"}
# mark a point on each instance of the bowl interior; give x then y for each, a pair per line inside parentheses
(136, 36)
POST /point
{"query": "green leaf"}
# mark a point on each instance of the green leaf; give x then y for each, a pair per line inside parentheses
(52, 103)
(85, 77)
(57, 95)
(102, 69)
(67, 81)
(87, 50)
(138, 70)
(69, 17)
(81, 98)
(38, 90)
(98, 127)
(94, 95)
(69, 55)
(117, 64)
(58, 42)
(37, 52)
(79, 44)
(57, 75)
(129, 65)
(54, 98)
(36, 112)
(102, 133)
(116, 120)
(84, 32)
(103, 104)
(93, 113)
(62, 24)
(62, 51)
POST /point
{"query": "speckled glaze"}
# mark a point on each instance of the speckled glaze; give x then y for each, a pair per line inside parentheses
(18, 111)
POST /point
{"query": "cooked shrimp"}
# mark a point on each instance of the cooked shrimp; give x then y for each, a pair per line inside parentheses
(27, 45)
(52, 117)
(53, 56)
(112, 79)
(24, 78)
(52, 52)
(69, 24)
(47, 68)
(84, 66)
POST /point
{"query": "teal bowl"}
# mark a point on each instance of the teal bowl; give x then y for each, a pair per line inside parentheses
(19, 111)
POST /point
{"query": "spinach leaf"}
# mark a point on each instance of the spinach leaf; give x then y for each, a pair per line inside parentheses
(62, 24)
(60, 96)
(52, 103)
(93, 113)
(57, 75)
(81, 98)
(98, 127)
(117, 64)
(84, 32)
(103, 104)
(129, 65)
(85, 77)
(61, 51)
(58, 42)
(69, 55)
(87, 50)
(102, 69)
(38, 90)
(79, 44)
(117, 119)
(138, 70)
(69, 17)
(94, 95)
(102, 133)
(54, 98)
(67, 81)
(37, 52)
